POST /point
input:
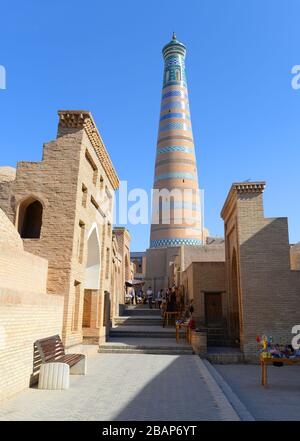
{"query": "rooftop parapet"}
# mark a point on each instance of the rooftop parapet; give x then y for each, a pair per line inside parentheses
(83, 120)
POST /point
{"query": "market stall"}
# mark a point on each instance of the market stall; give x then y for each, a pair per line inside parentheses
(276, 355)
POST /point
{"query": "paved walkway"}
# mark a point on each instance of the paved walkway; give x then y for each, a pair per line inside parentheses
(128, 387)
(279, 401)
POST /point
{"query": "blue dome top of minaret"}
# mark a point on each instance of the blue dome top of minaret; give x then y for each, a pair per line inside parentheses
(174, 47)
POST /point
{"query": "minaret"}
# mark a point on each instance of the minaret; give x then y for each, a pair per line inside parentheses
(176, 220)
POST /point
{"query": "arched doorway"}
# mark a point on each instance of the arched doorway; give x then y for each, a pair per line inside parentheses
(234, 304)
(92, 280)
(92, 269)
(30, 218)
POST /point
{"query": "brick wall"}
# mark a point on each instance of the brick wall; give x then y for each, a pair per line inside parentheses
(18, 270)
(24, 318)
(267, 291)
(295, 256)
(201, 278)
(27, 313)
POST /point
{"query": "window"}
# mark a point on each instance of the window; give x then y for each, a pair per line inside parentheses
(93, 166)
(94, 202)
(30, 219)
(84, 195)
(107, 263)
(81, 241)
(178, 76)
(76, 306)
(101, 183)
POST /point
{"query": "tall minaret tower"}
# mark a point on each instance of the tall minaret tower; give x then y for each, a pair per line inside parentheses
(176, 210)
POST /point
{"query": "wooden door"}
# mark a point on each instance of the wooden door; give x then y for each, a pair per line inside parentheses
(213, 309)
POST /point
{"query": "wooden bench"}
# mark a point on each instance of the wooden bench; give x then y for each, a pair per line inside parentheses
(51, 350)
(264, 362)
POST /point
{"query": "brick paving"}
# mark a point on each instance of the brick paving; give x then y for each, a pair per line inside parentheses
(128, 387)
(279, 401)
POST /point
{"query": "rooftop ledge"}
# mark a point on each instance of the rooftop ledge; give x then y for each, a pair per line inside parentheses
(83, 119)
(243, 187)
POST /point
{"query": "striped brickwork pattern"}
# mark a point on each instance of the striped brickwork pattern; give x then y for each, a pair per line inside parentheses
(176, 219)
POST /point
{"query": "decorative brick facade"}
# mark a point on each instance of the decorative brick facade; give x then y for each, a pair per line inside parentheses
(69, 198)
(176, 218)
(263, 291)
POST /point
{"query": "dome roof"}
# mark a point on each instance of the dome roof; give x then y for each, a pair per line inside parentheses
(7, 174)
(174, 46)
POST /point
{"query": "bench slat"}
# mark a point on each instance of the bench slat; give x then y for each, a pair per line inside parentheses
(51, 349)
(70, 359)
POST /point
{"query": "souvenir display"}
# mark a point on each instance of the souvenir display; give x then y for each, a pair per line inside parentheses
(269, 349)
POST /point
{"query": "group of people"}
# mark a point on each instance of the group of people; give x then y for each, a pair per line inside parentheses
(167, 300)
(137, 297)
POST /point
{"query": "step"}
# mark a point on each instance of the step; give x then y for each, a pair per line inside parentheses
(143, 331)
(141, 334)
(221, 342)
(225, 355)
(156, 351)
(146, 346)
(138, 321)
(216, 331)
(142, 311)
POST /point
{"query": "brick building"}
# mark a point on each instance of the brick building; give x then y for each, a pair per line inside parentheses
(62, 209)
(256, 290)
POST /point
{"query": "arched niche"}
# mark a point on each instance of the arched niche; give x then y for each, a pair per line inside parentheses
(30, 218)
(92, 269)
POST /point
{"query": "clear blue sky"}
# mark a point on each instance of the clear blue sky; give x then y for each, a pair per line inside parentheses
(105, 56)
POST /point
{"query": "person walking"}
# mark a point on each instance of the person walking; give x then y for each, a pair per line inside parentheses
(159, 298)
(132, 296)
(149, 296)
(163, 304)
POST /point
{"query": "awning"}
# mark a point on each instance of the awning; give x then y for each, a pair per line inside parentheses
(135, 283)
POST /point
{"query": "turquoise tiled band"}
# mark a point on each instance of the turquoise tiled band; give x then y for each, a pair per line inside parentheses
(174, 93)
(174, 115)
(175, 175)
(175, 104)
(174, 242)
(174, 126)
(175, 148)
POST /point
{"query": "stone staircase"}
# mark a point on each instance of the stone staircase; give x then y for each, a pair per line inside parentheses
(224, 355)
(218, 337)
(138, 321)
(140, 330)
